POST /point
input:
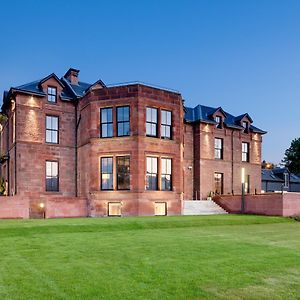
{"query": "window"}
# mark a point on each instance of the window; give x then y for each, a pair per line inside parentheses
(219, 122)
(106, 173)
(218, 148)
(106, 122)
(160, 208)
(246, 126)
(51, 92)
(114, 209)
(247, 184)
(123, 173)
(123, 117)
(52, 129)
(245, 152)
(166, 174)
(219, 183)
(151, 173)
(52, 178)
(151, 121)
(166, 123)
(286, 180)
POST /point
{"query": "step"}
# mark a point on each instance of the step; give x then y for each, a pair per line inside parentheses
(202, 207)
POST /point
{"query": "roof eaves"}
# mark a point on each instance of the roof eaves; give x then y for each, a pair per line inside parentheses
(41, 94)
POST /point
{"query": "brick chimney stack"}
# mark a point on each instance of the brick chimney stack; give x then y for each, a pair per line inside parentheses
(72, 76)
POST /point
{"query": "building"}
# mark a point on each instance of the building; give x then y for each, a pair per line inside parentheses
(129, 149)
(278, 180)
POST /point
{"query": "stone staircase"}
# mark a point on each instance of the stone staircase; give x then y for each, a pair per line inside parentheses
(202, 207)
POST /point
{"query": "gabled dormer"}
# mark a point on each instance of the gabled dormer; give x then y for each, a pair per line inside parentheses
(99, 84)
(219, 116)
(244, 121)
(52, 87)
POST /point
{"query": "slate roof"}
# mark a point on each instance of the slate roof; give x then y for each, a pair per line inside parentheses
(71, 92)
(276, 175)
(202, 113)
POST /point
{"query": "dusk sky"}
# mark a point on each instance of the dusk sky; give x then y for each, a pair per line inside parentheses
(241, 55)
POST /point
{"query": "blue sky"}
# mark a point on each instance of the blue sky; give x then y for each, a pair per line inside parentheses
(241, 55)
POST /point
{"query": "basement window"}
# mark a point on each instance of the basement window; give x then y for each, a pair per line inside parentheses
(114, 209)
(160, 208)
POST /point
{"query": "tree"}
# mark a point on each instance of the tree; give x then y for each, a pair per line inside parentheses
(292, 157)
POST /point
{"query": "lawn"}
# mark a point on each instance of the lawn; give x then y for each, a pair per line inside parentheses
(204, 257)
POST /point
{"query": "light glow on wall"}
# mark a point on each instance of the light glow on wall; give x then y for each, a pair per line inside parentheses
(243, 175)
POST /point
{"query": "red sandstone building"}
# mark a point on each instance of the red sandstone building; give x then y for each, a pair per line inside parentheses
(121, 150)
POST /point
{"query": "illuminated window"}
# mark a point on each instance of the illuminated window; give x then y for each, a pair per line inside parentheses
(114, 209)
(166, 174)
(245, 152)
(219, 183)
(106, 122)
(52, 178)
(166, 123)
(106, 173)
(123, 173)
(151, 121)
(247, 184)
(52, 129)
(123, 117)
(160, 208)
(151, 173)
(218, 148)
(51, 93)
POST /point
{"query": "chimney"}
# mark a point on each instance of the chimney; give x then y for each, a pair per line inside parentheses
(72, 76)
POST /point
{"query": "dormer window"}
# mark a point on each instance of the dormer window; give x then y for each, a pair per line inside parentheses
(219, 122)
(246, 126)
(51, 92)
(286, 180)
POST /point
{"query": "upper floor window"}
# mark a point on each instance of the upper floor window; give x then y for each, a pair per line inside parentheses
(245, 152)
(52, 129)
(52, 177)
(166, 174)
(151, 173)
(218, 148)
(151, 121)
(166, 123)
(106, 122)
(123, 173)
(246, 126)
(51, 93)
(106, 173)
(219, 122)
(123, 121)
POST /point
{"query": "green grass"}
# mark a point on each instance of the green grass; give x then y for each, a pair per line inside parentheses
(205, 257)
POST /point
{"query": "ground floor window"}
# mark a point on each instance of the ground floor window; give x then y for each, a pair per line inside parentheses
(114, 209)
(219, 183)
(166, 174)
(160, 208)
(247, 184)
(151, 173)
(52, 177)
(106, 173)
(123, 173)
